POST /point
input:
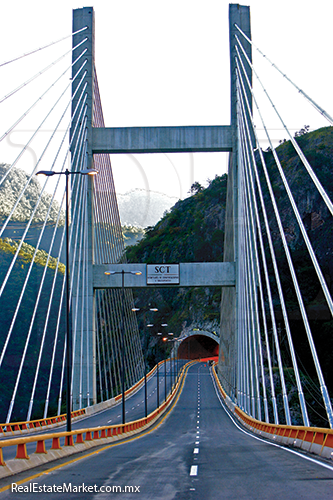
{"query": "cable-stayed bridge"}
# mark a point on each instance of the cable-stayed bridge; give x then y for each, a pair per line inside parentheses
(258, 368)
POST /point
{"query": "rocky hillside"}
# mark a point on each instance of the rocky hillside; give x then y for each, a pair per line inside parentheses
(192, 231)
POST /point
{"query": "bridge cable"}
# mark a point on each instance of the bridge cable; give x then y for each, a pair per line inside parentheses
(311, 101)
(42, 279)
(276, 272)
(24, 84)
(292, 270)
(41, 48)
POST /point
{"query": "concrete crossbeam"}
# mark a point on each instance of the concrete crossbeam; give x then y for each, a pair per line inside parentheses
(190, 274)
(162, 139)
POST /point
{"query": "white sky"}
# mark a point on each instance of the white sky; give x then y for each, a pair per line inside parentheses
(167, 63)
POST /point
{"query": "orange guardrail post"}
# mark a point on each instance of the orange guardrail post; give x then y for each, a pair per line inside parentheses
(56, 444)
(2, 462)
(40, 447)
(79, 438)
(69, 440)
(21, 451)
(88, 436)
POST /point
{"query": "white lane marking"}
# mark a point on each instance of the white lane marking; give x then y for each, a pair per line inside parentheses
(109, 421)
(197, 442)
(196, 451)
(194, 470)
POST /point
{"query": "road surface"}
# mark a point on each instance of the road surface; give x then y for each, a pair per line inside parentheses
(196, 452)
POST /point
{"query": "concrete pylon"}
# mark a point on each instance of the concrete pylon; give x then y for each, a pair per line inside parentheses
(227, 366)
(83, 304)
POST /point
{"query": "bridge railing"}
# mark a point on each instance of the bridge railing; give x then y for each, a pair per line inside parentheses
(316, 440)
(79, 440)
(14, 428)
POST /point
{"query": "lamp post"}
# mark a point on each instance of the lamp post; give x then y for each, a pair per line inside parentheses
(175, 361)
(67, 173)
(154, 309)
(122, 272)
(157, 371)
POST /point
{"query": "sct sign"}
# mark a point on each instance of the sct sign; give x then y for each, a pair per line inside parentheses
(162, 274)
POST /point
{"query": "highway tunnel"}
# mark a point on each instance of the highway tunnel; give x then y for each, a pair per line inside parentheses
(197, 347)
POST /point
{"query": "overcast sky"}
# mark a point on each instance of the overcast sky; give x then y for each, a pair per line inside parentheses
(167, 63)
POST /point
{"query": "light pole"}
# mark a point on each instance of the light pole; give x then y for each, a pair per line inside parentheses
(157, 372)
(122, 272)
(67, 173)
(154, 309)
(175, 361)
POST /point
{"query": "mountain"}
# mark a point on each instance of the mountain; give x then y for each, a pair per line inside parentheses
(141, 208)
(10, 190)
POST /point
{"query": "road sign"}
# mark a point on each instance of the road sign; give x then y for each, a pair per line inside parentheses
(162, 274)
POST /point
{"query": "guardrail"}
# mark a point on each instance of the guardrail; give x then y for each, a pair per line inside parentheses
(78, 440)
(316, 440)
(14, 428)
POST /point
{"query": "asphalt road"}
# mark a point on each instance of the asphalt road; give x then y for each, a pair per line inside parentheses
(196, 452)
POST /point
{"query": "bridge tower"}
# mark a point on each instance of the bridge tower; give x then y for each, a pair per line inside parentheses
(229, 324)
(83, 327)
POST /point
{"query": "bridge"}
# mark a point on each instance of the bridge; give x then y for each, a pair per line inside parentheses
(236, 413)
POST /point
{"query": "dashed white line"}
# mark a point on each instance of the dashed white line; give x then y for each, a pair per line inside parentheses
(196, 451)
(194, 470)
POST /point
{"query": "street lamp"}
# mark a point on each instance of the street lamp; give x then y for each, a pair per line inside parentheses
(67, 173)
(122, 272)
(153, 309)
(175, 363)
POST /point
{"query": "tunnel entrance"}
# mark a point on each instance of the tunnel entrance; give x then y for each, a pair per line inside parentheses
(198, 347)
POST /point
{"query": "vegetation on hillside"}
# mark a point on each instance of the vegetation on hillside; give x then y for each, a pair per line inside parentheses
(26, 254)
(192, 231)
